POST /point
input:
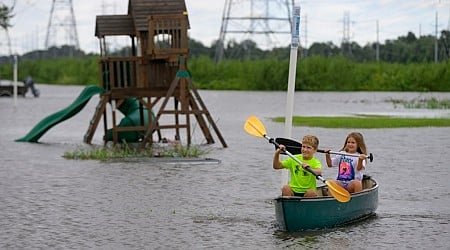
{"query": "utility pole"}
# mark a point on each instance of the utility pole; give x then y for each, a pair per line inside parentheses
(436, 40)
(448, 29)
(378, 42)
(62, 20)
(305, 33)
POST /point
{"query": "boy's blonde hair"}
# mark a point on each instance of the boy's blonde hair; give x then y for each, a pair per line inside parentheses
(311, 140)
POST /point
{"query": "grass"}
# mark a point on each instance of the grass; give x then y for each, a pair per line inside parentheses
(128, 151)
(377, 121)
(366, 122)
(418, 103)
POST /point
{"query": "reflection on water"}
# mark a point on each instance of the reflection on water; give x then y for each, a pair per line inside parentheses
(50, 202)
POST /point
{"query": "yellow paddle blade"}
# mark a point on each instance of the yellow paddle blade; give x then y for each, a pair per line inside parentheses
(255, 127)
(337, 191)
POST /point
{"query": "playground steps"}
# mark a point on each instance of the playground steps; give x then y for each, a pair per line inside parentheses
(99, 110)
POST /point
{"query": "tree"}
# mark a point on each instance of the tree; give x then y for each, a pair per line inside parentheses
(323, 49)
(196, 48)
(5, 18)
(6, 15)
(445, 44)
(409, 38)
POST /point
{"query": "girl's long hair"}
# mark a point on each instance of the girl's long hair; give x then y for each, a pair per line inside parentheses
(362, 149)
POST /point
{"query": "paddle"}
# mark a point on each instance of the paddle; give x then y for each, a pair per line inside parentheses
(254, 127)
(295, 147)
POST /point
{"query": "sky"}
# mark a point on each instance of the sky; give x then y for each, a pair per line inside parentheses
(361, 21)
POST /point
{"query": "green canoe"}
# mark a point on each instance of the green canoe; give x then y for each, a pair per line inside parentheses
(298, 214)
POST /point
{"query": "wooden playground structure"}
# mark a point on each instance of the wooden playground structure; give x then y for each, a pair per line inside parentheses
(154, 74)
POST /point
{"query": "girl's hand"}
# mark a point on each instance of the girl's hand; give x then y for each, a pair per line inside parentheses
(362, 156)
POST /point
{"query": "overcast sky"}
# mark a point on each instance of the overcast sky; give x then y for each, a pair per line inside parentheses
(321, 20)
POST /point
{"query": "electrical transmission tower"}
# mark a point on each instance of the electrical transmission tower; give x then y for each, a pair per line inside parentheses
(253, 20)
(346, 34)
(62, 28)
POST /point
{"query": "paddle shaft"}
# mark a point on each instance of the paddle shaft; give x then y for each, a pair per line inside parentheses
(297, 146)
(308, 168)
(370, 156)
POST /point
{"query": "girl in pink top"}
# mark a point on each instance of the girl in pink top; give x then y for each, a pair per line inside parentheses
(350, 167)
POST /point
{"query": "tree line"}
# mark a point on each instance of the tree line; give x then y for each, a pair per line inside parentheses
(405, 49)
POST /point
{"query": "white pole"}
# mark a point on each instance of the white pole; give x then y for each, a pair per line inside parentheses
(295, 38)
(15, 81)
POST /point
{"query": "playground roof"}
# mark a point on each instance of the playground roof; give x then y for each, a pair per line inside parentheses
(114, 25)
(137, 18)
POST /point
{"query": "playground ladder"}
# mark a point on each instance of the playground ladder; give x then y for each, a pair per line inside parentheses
(99, 110)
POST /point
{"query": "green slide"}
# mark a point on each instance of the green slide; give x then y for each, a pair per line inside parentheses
(62, 115)
(130, 108)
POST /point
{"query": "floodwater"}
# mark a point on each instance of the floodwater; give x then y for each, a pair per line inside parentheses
(48, 202)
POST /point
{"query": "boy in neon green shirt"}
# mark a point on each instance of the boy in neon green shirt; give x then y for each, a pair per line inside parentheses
(302, 183)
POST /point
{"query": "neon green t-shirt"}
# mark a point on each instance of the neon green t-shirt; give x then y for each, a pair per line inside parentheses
(301, 180)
